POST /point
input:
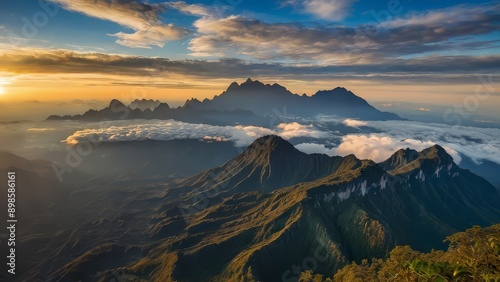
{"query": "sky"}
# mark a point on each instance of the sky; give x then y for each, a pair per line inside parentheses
(423, 52)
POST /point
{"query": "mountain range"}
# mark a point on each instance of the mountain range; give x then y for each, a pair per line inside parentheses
(37, 176)
(144, 104)
(249, 103)
(264, 99)
(272, 207)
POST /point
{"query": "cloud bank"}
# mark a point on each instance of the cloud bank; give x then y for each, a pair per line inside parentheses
(116, 131)
(477, 144)
(373, 147)
(354, 122)
(379, 147)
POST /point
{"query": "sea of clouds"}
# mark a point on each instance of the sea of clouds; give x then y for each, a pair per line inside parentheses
(115, 131)
(376, 140)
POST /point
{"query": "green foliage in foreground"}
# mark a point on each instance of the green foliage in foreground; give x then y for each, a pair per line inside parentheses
(472, 255)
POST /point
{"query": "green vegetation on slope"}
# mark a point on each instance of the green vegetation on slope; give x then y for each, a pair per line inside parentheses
(473, 255)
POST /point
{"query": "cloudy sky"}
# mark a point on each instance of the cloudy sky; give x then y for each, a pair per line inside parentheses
(395, 50)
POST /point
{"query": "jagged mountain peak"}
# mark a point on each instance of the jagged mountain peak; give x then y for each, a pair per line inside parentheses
(269, 150)
(271, 143)
(163, 106)
(144, 100)
(115, 103)
(337, 90)
(246, 214)
(406, 160)
(436, 155)
(144, 104)
(251, 83)
(339, 95)
(256, 87)
(405, 153)
(436, 151)
(257, 97)
(233, 86)
(400, 158)
(269, 163)
(193, 102)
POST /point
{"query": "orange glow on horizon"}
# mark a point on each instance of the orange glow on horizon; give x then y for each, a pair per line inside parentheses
(3, 85)
(175, 90)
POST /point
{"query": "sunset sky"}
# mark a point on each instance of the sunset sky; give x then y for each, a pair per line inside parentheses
(436, 52)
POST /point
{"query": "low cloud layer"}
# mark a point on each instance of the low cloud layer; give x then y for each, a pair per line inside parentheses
(423, 109)
(376, 147)
(477, 144)
(354, 122)
(377, 141)
(117, 131)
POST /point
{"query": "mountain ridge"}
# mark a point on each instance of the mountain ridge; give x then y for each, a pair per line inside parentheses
(249, 103)
(234, 220)
(249, 95)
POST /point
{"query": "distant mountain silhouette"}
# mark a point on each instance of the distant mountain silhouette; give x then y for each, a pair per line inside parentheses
(38, 185)
(119, 111)
(249, 103)
(144, 104)
(271, 207)
(266, 99)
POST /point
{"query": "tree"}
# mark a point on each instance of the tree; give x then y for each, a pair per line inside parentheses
(478, 249)
(306, 276)
(473, 255)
